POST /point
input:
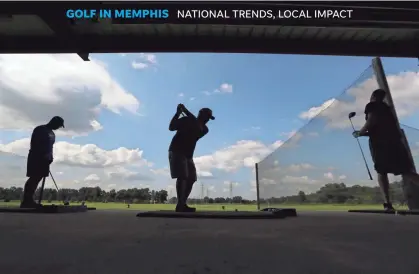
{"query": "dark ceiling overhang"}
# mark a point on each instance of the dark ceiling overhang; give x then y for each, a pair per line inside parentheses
(392, 29)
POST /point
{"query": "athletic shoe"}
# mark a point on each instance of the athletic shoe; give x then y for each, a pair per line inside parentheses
(185, 208)
(388, 206)
(29, 204)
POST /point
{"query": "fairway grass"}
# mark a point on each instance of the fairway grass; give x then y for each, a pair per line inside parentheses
(215, 207)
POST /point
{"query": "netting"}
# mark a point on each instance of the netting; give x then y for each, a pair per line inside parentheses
(323, 155)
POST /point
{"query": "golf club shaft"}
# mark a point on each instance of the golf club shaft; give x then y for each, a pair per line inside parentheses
(52, 177)
(56, 186)
(362, 152)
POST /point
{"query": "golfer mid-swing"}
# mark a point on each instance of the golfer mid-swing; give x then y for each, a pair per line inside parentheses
(189, 130)
(385, 140)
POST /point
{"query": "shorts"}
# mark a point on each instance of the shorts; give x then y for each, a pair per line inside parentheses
(390, 157)
(182, 167)
(37, 166)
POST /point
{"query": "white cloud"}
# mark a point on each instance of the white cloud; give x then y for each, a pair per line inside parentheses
(403, 87)
(314, 111)
(144, 61)
(88, 155)
(161, 171)
(244, 153)
(329, 175)
(192, 99)
(123, 174)
(205, 174)
(139, 65)
(277, 144)
(92, 178)
(150, 58)
(34, 88)
(224, 88)
(342, 177)
(299, 167)
(297, 179)
(181, 94)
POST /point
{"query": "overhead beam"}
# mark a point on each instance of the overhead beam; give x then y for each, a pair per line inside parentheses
(84, 56)
(62, 28)
(129, 43)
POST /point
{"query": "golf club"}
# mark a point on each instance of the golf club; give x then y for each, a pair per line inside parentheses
(52, 177)
(350, 116)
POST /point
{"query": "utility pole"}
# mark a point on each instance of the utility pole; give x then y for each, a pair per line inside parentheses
(202, 191)
(231, 192)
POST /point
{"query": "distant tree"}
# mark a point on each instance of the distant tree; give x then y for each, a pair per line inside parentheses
(302, 196)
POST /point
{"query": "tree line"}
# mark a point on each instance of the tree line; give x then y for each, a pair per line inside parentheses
(96, 194)
(339, 193)
(332, 193)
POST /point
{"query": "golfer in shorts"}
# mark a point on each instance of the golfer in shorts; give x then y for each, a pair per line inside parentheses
(40, 158)
(385, 141)
(189, 130)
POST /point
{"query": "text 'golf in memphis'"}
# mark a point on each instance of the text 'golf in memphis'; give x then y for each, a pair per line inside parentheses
(117, 13)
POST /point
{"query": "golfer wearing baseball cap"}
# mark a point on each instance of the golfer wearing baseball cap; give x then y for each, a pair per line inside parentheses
(40, 158)
(189, 130)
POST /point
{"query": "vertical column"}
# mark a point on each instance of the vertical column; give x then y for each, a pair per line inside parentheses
(411, 191)
(257, 186)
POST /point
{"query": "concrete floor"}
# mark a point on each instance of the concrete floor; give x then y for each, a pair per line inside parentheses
(117, 242)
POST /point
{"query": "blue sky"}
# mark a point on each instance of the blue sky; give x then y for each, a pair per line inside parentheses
(262, 101)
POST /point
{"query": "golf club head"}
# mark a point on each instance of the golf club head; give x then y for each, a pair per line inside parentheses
(351, 115)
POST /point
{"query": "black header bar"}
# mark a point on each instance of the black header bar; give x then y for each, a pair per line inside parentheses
(226, 13)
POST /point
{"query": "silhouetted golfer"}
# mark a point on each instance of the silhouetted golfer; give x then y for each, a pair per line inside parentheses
(385, 140)
(40, 158)
(189, 130)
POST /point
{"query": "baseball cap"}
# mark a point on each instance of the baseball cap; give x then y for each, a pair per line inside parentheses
(57, 120)
(207, 111)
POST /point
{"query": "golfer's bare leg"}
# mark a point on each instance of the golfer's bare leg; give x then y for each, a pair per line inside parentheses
(181, 190)
(30, 188)
(385, 186)
(189, 187)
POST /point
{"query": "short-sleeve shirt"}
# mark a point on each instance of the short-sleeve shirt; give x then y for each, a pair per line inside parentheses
(42, 142)
(386, 127)
(188, 133)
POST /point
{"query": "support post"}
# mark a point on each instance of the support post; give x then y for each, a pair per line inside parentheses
(257, 186)
(411, 191)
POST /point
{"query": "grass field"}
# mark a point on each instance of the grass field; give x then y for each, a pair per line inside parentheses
(214, 207)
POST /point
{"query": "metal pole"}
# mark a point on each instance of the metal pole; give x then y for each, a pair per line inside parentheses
(383, 84)
(257, 186)
(409, 190)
